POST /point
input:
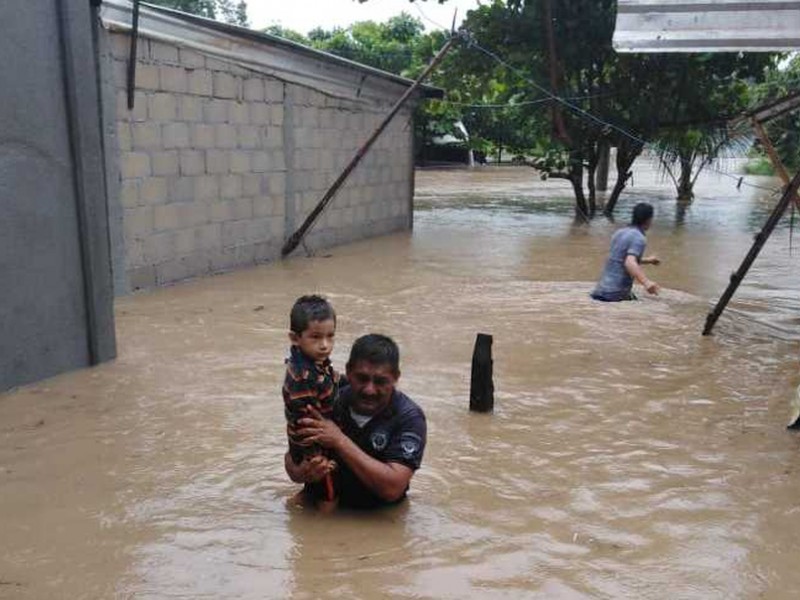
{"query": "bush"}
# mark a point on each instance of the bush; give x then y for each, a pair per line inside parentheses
(760, 165)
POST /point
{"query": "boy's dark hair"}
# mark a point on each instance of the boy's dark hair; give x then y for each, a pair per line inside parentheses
(642, 213)
(376, 349)
(307, 309)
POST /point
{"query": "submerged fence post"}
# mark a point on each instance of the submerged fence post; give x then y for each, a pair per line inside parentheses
(481, 392)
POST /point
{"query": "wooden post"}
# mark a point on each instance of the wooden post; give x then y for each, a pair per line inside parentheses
(789, 194)
(294, 240)
(776, 161)
(601, 176)
(481, 392)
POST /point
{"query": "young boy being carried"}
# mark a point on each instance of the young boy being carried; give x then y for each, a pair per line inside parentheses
(310, 380)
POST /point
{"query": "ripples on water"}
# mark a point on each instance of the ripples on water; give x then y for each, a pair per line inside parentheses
(628, 457)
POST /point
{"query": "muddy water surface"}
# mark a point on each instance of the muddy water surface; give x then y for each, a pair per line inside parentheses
(628, 457)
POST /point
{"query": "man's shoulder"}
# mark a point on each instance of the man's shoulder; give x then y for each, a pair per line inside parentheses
(406, 408)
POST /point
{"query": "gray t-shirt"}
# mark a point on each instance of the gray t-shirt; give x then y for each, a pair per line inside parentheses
(615, 283)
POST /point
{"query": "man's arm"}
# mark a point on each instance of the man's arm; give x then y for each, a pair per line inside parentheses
(388, 481)
(635, 270)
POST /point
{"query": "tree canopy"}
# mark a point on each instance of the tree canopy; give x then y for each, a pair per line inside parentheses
(229, 11)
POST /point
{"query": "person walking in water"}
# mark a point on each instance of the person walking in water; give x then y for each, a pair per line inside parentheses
(626, 258)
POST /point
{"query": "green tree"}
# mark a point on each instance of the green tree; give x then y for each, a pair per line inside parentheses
(229, 11)
(784, 132)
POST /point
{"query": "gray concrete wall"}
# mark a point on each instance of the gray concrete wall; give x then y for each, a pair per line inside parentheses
(218, 164)
(55, 276)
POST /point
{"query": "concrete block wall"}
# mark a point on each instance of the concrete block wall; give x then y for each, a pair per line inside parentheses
(218, 164)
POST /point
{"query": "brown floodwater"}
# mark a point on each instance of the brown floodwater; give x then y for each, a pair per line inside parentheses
(628, 457)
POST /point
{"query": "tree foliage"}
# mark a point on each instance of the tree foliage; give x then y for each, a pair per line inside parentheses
(229, 11)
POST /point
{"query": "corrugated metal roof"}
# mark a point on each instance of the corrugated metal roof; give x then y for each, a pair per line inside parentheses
(707, 26)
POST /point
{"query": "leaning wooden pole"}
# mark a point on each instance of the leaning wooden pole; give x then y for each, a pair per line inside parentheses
(297, 237)
(789, 195)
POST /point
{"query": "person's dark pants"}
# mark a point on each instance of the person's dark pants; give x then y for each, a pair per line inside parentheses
(620, 297)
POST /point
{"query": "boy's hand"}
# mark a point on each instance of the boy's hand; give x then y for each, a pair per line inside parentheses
(651, 260)
(314, 469)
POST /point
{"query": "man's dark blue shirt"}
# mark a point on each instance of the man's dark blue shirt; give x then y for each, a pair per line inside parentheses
(396, 434)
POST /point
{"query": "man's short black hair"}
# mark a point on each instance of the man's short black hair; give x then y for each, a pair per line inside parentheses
(307, 309)
(377, 350)
(642, 213)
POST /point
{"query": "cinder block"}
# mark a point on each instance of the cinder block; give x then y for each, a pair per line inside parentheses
(161, 52)
(190, 58)
(254, 90)
(230, 187)
(153, 190)
(260, 162)
(274, 138)
(276, 115)
(208, 236)
(192, 162)
(201, 83)
(263, 206)
(273, 90)
(164, 163)
(279, 206)
(162, 107)
(248, 136)
(137, 222)
(206, 188)
(238, 113)
(146, 136)
(173, 79)
(124, 137)
(176, 135)
(225, 85)
(225, 136)
(168, 217)
(234, 233)
(220, 212)
(134, 164)
(217, 162)
(141, 278)
(147, 77)
(185, 241)
(242, 208)
(129, 193)
(215, 111)
(259, 113)
(251, 184)
(240, 162)
(202, 135)
(180, 189)
(191, 109)
(277, 161)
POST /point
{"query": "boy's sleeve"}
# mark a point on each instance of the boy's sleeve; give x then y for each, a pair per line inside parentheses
(299, 390)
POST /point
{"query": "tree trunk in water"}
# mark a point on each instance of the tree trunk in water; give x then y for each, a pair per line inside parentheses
(591, 171)
(576, 179)
(626, 156)
(685, 184)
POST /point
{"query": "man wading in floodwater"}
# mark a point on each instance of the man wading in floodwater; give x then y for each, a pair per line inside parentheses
(377, 435)
(625, 260)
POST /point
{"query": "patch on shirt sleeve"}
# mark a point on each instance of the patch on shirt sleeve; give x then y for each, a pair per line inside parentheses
(410, 444)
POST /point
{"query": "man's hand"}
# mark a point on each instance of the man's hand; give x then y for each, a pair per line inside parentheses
(651, 260)
(652, 287)
(316, 429)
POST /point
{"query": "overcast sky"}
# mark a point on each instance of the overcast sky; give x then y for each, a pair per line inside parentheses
(305, 15)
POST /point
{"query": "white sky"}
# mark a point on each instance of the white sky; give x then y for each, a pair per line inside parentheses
(305, 15)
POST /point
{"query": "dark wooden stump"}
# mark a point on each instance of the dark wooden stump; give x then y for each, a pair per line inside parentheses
(481, 393)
